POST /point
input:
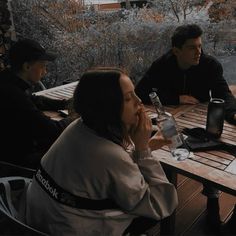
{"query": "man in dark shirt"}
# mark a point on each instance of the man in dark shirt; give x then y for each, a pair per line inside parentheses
(185, 75)
(26, 132)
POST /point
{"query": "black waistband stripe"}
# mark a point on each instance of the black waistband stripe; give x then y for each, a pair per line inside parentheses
(64, 197)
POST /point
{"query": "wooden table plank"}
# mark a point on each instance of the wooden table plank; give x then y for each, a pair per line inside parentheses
(60, 92)
(206, 174)
(207, 166)
(213, 157)
(232, 167)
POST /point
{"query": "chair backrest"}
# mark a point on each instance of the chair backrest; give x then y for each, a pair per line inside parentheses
(12, 207)
(8, 169)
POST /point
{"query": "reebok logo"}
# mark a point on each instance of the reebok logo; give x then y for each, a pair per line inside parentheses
(46, 185)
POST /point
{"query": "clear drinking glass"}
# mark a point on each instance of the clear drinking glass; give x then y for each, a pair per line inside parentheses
(180, 153)
(177, 146)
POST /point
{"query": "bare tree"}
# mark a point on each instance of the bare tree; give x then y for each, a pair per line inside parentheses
(180, 9)
(131, 39)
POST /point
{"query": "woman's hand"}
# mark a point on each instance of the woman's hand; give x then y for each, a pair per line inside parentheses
(157, 141)
(141, 133)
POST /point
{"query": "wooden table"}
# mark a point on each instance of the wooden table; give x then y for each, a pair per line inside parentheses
(217, 168)
(59, 92)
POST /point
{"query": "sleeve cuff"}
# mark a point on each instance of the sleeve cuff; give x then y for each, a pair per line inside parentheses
(143, 154)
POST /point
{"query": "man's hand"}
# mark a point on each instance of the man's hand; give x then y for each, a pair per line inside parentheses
(186, 99)
(235, 117)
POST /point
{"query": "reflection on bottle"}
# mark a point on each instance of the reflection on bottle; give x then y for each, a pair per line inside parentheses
(166, 122)
(168, 128)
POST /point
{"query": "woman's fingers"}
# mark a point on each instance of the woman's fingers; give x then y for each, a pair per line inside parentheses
(144, 120)
(142, 132)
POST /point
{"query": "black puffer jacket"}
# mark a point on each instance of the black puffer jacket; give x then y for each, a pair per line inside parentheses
(170, 82)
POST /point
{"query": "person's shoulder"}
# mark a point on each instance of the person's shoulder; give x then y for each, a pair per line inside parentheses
(164, 59)
(11, 88)
(209, 59)
(5, 76)
(111, 152)
(6, 80)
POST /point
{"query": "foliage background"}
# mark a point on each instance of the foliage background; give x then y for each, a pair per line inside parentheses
(129, 38)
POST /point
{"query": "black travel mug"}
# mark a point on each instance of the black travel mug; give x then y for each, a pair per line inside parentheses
(215, 117)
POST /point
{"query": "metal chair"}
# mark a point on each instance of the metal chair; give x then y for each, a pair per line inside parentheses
(12, 207)
(9, 169)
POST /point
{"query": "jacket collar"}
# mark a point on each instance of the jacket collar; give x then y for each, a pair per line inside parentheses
(173, 60)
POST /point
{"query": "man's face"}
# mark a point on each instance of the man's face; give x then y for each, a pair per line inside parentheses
(189, 54)
(35, 71)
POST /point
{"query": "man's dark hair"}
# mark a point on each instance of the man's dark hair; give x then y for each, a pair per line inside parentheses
(98, 98)
(183, 33)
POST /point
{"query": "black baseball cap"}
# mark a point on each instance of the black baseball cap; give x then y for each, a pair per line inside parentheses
(28, 50)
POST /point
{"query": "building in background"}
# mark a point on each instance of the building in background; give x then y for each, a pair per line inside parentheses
(113, 5)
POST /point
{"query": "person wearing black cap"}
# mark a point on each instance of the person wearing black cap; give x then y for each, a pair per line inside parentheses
(26, 132)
